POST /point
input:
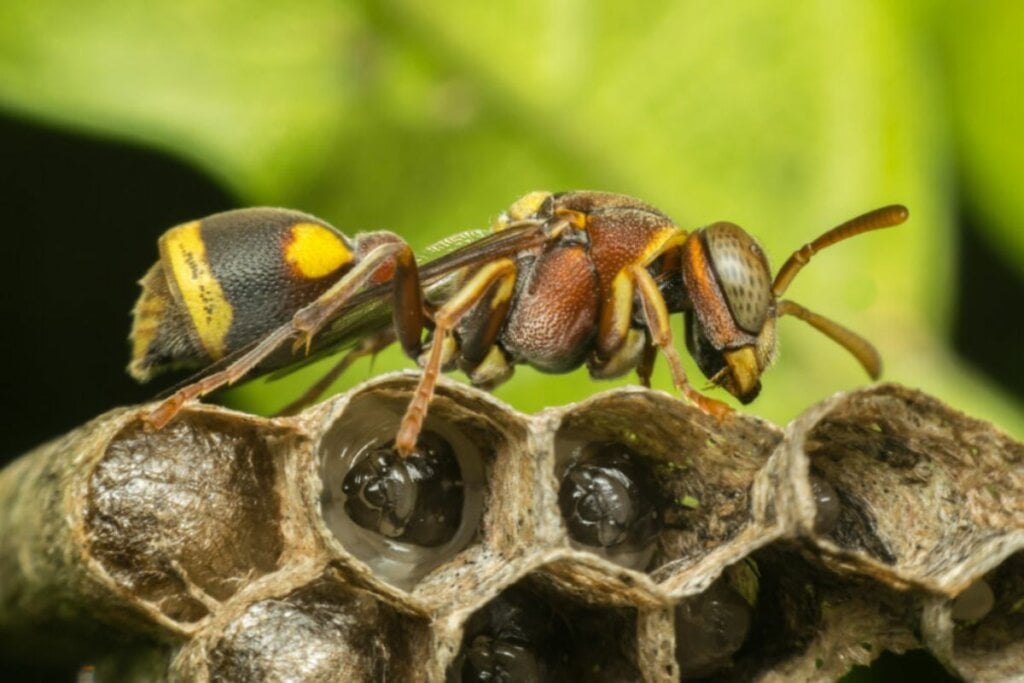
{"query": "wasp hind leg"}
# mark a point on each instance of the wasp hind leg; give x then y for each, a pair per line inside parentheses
(645, 368)
(501, 274)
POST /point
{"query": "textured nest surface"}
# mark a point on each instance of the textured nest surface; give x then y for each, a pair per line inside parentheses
(627, 537)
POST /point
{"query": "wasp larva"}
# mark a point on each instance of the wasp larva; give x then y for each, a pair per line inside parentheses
(826, 505)
(710, 628)
(607, 498)
(415, 499)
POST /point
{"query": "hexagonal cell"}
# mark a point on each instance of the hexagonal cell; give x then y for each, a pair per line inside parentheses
(404, 518)
(927, 496)
(982, 635)
(322, 631)
(779, 612)
(185, 515)
(533, 632)
(665, 494)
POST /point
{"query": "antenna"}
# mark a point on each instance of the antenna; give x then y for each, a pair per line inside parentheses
(886, 217)
(863, 350)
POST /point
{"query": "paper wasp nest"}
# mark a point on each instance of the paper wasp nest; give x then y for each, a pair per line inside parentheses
(625, 538)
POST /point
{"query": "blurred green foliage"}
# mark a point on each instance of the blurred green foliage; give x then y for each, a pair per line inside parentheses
(428, 118)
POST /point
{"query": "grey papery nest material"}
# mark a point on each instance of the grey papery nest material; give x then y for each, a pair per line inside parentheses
(626, 537)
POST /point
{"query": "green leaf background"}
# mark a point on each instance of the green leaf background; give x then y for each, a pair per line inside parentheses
(427, 118)
(430, 117)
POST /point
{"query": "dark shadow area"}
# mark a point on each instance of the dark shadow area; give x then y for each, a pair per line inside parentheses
(914, 665)
(81, 217)
(988, 329)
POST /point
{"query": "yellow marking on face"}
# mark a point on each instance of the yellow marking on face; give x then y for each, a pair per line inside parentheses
(185, 253)
(745, 372)
(314, 251)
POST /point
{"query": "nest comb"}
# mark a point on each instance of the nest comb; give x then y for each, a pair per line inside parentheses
(626, 537)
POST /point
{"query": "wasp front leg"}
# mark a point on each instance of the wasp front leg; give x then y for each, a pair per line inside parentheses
(620, 347)
(309, 320)
(657, 318)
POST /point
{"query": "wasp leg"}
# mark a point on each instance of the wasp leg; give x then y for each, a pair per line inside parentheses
(493, 370)
(308, 321)
(619, 347)
(445, 320)
(656, 314)
(616, 320)
(370, 346)
(479, 356)
(623, 359)
(481, 325)
(407, 308)
(647, 358)
(171, 405)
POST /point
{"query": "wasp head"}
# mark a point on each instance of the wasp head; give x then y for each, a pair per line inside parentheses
(733, 301)
(730, 328)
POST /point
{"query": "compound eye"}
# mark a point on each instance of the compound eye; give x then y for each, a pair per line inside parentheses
(743, 274)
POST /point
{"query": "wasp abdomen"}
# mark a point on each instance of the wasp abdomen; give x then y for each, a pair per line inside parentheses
(227, 280)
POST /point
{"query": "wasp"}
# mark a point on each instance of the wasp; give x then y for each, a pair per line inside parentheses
(560, 280)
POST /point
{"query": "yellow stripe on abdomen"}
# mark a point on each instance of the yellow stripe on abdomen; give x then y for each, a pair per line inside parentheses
(200, 292)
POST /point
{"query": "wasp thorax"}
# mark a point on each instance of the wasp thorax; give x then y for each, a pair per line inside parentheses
(743, 274)
(417, 499)
(607, 498)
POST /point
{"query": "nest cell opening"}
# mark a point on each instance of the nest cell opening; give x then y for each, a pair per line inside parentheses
(193, 505)
(403, 517)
